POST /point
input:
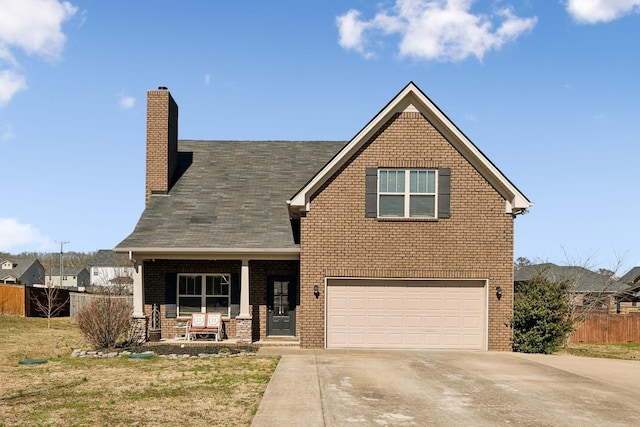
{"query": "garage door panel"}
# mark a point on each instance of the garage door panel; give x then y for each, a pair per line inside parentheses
(356, 321)
(357, 303)
(396, 314)
(452, 304)
(474, 322)
(451, 322)
(433, 304)
(414, 321)
(416, 303)
(395, 304)
(376, 322)
(377, 303)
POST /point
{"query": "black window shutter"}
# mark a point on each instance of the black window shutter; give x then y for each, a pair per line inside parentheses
(170, 288)
(371, 193)
(444, 193)
(235, 295)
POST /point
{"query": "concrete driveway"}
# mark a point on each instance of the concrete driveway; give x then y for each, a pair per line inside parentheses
(448, 388)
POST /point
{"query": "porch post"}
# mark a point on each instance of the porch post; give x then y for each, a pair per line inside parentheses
(138, 293)
(139, 332)
(243, 320)
(244, 290)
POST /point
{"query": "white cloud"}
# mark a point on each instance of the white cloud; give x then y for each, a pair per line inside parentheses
(34, 25)
(207, 79)
(351, 30)
(14, 235)
(11, 82)
(126, 102)
(442, 30)
(31, 26)
(595, 11)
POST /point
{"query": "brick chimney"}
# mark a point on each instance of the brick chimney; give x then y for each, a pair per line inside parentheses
(162, 141)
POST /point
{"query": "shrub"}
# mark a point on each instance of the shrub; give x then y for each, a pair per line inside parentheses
(105, 321)
(540, 321)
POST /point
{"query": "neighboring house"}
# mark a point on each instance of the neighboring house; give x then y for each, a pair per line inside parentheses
(629, 301)
(399, 238)
(22, 279)
(586, 287)
(21, 269)
(109, 268)
(72, 277)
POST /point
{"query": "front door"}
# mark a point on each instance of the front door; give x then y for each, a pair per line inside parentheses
(281, 306)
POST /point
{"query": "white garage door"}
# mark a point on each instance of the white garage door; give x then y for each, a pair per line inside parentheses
(406, 314)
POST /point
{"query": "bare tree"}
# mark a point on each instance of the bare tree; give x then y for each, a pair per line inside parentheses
(50, 303)
(590, 291)
(521, 262)
(114, 281)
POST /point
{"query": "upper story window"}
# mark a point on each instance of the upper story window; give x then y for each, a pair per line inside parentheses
(414, 194)
(407, 193)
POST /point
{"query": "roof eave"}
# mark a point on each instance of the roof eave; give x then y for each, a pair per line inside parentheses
(151, 253)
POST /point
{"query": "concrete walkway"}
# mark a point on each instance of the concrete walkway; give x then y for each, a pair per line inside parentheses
(413, 388)
(293, 396)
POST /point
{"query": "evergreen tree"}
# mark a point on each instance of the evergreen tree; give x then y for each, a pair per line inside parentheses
(540, 321)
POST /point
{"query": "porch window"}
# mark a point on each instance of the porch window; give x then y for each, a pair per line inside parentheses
(203, 293)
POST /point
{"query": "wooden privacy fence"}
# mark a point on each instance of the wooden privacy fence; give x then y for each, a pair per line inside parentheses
(20, 300)
(79, 300)
(12, 299)
(608, 329)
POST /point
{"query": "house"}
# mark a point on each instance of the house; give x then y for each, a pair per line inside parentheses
(587, 288)
(629, 298)
(72, 277)
(109, 268)
(22, 269)
(401, 237)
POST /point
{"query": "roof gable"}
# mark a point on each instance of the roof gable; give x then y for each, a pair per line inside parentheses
(411, 98)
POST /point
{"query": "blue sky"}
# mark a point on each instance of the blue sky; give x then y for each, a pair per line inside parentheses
(549, 91)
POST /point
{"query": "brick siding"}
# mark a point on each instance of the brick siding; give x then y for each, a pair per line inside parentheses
(162, 141)
(337, 240)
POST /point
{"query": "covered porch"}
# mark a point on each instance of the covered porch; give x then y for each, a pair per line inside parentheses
(256, 292)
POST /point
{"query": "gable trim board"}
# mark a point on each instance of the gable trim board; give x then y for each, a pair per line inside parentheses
(412, 99)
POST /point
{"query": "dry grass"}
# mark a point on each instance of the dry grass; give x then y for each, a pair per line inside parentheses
(629, 351)
(119, 392)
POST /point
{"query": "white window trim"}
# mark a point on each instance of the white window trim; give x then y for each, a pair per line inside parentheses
(203, 293)
(407, 193)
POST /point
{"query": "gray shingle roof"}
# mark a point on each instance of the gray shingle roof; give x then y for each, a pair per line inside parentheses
(582, 279)
(109, 258)
(230, 194)
(21, 264)
(631, 276)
